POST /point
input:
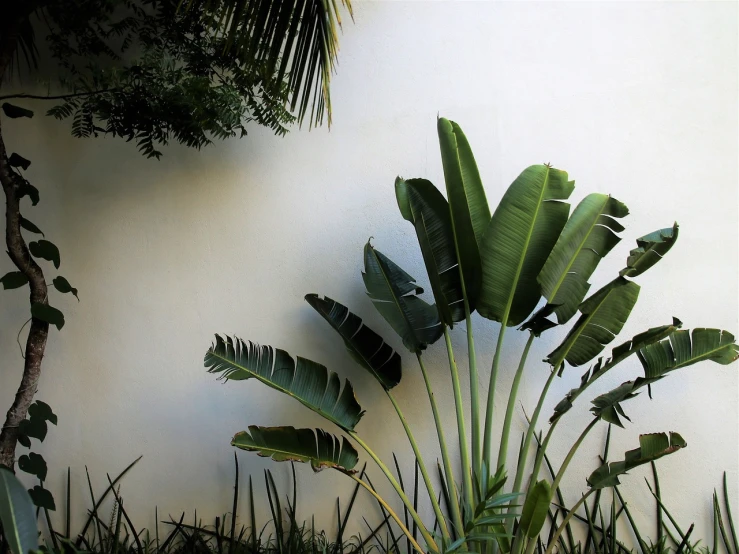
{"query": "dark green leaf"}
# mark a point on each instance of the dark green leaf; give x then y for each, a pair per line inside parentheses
(13, 280)
(308, 382)
(535, 509)
(365, 346)
(28, 226)
(517, 243)
(23, 439)
(45, 250)
(394, 294)
(34, 464)
(34, 427)
(650, 249)
(15, 160)
(17, 516)
(423, 205)
(43, 411)
(14, 112)
(651, 447)
(63, 286)
(288, 444)
(42, 498)
(27, 189)
(47, 313)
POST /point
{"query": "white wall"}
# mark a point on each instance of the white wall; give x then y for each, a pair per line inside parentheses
(634, 99)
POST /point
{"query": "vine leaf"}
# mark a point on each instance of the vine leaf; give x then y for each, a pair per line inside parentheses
(47, 313)
(46, 250)
(43, 411)
(14, 112)
(33, 464)
(42, 498)
(63, 286)
(30, 227)
(13, 280)
(16, 160)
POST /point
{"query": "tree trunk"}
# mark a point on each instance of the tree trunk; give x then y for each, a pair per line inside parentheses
(36, 342)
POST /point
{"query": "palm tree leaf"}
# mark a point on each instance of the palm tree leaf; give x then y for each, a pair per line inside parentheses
(288, 444)
(650, 249)
(468, 205)
(588, 236)
(394, 294)
(308, 382)
(603, 317)
(17, 514)
(422, 204)
(618, 355)
(365, 346)
(651, 447)
(517, 243)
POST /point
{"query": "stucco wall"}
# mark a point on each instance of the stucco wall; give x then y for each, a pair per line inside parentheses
(634, 99)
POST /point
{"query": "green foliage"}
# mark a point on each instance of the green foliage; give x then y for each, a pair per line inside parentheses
(17, 517)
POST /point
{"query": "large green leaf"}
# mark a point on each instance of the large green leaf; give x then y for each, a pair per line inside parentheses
(680, 349)
(535, 509)
(650, 249)
(288, 444)
(17, 515)
(588, 236)
(425, 207)
(603, 317)
(517, 243)
(366, 347)
(618, 355)
(467, 203)
(394, 294)
(308, 382)
(651, 447)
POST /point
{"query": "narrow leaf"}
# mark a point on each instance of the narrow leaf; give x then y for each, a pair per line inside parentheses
(17, 515)
(47, 313)
(535, 509)
(650, 249)
(30, 227)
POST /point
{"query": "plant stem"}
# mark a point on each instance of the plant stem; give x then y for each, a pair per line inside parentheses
(398, 489)
(464, 453)
(422, 467)
(540, 453)
(565, 521)
(488, 446)
(452, 492)
(58, 96)
(503, 452)
(571, 453)
(474, 394)
(390, 511)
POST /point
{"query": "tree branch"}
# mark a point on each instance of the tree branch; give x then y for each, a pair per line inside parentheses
(57, 97)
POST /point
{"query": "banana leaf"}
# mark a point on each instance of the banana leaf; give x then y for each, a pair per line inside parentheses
(535, 509)
(468, 205)
(518, 241)
(365, 346)
(288, 444)
(308, 382)
(651, 447)
(588, 236)
(422, 204)
(650, 249)
(17, 515)
(394, 294)
(603, 317)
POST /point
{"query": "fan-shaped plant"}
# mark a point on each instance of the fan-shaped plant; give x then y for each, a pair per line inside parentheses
(502, 265)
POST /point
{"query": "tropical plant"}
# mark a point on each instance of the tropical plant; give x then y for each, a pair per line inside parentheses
(500, 265)
(152, 72)
(17, 517)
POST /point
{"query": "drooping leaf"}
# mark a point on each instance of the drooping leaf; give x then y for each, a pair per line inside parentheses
(24, 440)
(468, 205)
(618, 355)
(63, 286)
(42, 498)
(30, 227)
(365, 346)
(423, 205)
(651, 447)
(33, 427)
(13, 280)
(43, 411)
(47, 313)
(27, 189)
(517, 243)
(308, 382)
(603, 317)
(14, 112)
(394, 294)
(16, 160)
(45, 250)
(650, 249)
(588, 236)
(17, 515)
(33, 464)
(540, 322)
(535, 509)
(288, 444)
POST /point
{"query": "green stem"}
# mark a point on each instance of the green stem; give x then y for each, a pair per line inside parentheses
(464, 453)
(474, 394)
(421, 466)
(503, 452)
(452, 487)
(571, 453)
(488, 446)
(565, 521)
(541, 452)
(398, 489)
(384, 504)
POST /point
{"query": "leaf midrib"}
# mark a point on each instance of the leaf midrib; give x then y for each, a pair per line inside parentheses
(578, 332)
(13, 516)
(701, 357)
(395, 297)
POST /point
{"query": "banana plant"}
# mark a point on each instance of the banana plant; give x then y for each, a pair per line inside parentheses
(526, 265)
